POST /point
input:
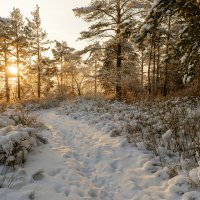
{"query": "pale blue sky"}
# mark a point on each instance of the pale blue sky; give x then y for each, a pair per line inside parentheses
(57, 17)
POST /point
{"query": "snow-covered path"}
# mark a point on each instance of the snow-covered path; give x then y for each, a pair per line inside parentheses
(86, 164)
(82, 163)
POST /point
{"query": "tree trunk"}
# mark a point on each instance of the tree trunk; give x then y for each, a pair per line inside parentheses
(118, 78)
(198, 80)
(165, 87)
(6, 74)
(149, 67)
(118, 87)
(18, 73)
(154, 68)
(58, 81)
(95, 79)
(158, 69)
(39, 81)
(61, 75)
(38, 63)
(142, 70)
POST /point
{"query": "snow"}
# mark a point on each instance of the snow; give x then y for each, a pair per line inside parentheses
(81, 160)
(191, 195)
(183, 59)
(4, 20)
(15, 139)
(86, 9)
(167, 136)
(136, 4)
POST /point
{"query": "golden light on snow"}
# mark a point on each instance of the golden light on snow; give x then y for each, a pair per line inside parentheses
(13, 70)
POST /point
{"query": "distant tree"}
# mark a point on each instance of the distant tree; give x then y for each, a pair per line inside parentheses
(61, 53)
(5, 52)
(78, 76)
(74, 72)
(38, 44)
(49, 71)
(19, 42)
(94, 63)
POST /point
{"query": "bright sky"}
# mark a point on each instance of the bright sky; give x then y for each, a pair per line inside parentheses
(57, 17)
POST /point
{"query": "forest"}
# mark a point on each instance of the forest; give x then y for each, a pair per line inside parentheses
(118, 119)
(136, 50)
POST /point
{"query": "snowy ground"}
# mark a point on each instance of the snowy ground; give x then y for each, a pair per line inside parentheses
(81, 162)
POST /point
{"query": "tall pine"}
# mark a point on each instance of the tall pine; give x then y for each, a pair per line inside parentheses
(110, 19)
(38, 44)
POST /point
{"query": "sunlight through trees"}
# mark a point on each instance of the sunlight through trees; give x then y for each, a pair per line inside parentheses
(135, 49)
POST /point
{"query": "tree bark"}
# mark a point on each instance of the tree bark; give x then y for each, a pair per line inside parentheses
(38, 64)
(6, 74)
(165, 87)
(18, 72)
(142, 70)
(154, 68)
(118, 78)
(118, 87)
(149, 67)
(61, 75)
(158, 69)
(95, 78)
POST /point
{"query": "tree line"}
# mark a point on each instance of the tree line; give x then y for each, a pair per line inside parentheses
(151, 48)
(136, 48)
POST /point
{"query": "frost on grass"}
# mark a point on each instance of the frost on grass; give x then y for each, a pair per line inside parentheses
(16, 139)
(170, 129)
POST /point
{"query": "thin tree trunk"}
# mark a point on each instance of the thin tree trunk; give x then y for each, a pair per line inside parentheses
(154, 67)
(58, 81)
(149, 67)
(38, 64)
(72, 83)
(18, 73)
(95, 79)
(6, 74)
(118, 78)
(158, 69)
(39, 80)
(61, 74)
(198, 81)
(142, 70)
(165, 87)
(119, 53)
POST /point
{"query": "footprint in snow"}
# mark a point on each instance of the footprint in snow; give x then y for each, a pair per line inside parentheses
(55, 172)
(114, 165)
(93, 193)
(98, 181)
(63, 190)
(67, 155)
(75, 183)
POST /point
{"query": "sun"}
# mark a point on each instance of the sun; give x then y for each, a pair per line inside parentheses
(13, 70)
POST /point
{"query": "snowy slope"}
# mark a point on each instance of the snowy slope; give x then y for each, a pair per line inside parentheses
(81, 162)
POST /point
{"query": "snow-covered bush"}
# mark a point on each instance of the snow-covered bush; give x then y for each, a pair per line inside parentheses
(16, 142)
(3, 106)
(46, 103)
(168, 128)
(16, 138)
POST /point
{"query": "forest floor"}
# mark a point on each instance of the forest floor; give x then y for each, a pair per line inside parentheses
(81, 162)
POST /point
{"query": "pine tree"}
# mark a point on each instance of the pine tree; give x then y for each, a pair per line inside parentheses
(38, 44)
(94, 63)
(110, 19)
(61, 53)
(5, 52)
(19, 42)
